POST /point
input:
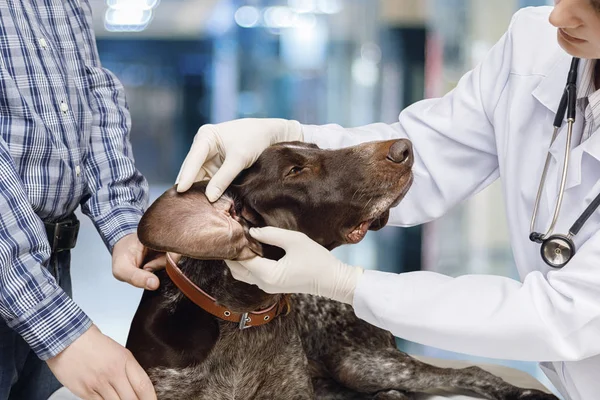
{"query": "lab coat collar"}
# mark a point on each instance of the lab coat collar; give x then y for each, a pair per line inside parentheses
(592, 145)
(551, 87)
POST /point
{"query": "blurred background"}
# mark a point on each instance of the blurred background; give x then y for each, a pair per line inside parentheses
(185, 63)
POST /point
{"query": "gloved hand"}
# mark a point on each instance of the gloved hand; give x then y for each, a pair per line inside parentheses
(222, 151)
(307, 267)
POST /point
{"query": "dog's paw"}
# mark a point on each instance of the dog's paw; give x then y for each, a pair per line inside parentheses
(391, 395)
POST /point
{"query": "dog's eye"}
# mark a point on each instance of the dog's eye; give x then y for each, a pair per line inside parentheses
(294, 171)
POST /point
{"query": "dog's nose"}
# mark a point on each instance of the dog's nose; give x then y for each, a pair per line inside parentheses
(400, 151)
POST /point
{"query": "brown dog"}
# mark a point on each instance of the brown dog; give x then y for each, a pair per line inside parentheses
(320, 349)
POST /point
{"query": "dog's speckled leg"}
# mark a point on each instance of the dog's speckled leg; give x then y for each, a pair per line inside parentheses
(388, 368)
(328, 389)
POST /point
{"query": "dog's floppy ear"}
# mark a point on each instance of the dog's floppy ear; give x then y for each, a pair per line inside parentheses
(188, 224)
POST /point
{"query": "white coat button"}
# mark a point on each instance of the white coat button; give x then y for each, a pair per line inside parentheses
(77, 170)
(64, 107)
(43, 43)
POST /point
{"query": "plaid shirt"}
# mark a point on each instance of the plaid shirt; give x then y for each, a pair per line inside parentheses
(64, 141)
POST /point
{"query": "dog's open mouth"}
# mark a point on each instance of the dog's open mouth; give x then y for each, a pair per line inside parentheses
(358, 233)
(373, 224)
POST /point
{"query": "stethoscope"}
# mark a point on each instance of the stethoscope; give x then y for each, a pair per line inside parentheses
(558, 249)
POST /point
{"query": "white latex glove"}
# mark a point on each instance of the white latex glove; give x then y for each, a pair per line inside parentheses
(222, 151)
(307, 267)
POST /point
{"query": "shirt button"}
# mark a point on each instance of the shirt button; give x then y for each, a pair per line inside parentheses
(64, 107)
(77, 170)
(43, 43)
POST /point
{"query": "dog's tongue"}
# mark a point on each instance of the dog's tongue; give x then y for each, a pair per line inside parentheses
(359, 232)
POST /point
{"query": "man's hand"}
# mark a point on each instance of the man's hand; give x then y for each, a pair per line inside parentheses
(307, 267)
(96, 367)
(133, 263)
(222, 151)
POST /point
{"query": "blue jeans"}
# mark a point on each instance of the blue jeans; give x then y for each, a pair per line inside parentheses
(23, 376)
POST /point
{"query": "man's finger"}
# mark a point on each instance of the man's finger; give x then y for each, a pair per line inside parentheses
(124, 389)
(156, 264)
(230, 169)
(139, 380)
(201, 150)
(94, 396)
(175, 257)
(107, 392)
(136, 277)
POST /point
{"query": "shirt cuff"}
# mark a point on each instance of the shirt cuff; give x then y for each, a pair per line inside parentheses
(52, 325)
(119, 222)
(375, 292)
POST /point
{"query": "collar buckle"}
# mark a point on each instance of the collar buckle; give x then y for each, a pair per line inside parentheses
(245, 319)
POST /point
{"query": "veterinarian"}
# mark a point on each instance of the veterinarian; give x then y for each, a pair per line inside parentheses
(64, 141)
(497, 123)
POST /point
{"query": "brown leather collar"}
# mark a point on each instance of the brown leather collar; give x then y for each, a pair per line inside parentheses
(209, 304)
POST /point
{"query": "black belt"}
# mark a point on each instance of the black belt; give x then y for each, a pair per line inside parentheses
(62, 235)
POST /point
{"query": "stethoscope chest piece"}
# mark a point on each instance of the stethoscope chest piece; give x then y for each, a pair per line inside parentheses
(557, 250)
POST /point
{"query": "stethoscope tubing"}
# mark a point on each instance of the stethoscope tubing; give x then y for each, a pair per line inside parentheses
(567, 105)
(593, 206)
(563, 182)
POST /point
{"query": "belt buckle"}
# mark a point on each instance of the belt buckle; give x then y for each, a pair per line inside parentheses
(68, 229)
(56, 236)
(61, 231)
(243, 321)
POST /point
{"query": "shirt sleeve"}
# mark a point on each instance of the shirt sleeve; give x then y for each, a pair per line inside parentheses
(31, 302)
(454, 142)
(545, 318)
(118, 192)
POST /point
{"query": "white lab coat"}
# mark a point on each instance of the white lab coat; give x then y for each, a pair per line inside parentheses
(497, 123)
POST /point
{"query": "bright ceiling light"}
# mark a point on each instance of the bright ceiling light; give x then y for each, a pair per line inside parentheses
(365, 72)
(129, 15)
(247, 16)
